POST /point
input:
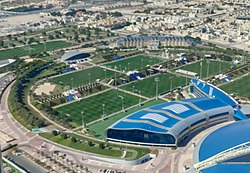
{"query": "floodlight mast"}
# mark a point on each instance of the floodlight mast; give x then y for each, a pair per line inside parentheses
(122, 102)
(83, 123)
(103, 112)
(157, 80)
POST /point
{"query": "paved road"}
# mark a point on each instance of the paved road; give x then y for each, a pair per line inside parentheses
(18, 129)
(25, 163)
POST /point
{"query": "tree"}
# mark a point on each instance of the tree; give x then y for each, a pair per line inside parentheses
(90, 143)
(44, 33)
(1, 43)
(101, 145)
(73, 139)
(54, 132)
(51, 37)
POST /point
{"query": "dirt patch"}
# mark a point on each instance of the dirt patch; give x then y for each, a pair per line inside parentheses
(46, 88)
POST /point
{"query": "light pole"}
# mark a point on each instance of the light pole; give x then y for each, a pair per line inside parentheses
(105, 73)
(139, 98)
(122, 103)
(103, 111)
(83, 124)
(141, 63)
(133, 89)
(128, 66)
(89, 78)
(45, 47)
(171, 83)
(120, 68)
(115, 76)
(201, 69)
(220, 66)
(208, 62)
(72, 83)
(156, 87)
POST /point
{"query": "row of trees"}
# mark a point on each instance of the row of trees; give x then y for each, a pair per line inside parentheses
(19, 92)
(73, 139)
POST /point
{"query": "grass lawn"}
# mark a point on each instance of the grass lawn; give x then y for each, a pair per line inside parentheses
(99, 127)
(240, 87)
(214, 67)
(82, 77)
(95, 149)
(81, 146)
(133, 63)
(37, 48)
(148, 85)
(93, 108)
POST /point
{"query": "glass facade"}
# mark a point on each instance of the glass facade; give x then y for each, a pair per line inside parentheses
(140, 136)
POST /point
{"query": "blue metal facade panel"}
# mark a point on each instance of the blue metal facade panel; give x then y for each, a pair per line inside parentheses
(224, 138)
(228, 168)
(191, 111)
(168, 123)
(122, 125)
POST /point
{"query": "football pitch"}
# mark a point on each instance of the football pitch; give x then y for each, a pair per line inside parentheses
(240, 87)
(33, 49)
(207, 68)
(82, 77)
(99, 127)
(133, 63)
(147, 87)
(93, 107)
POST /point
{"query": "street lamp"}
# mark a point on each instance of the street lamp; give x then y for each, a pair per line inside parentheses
(105, 73)
(139, 98)
(157, 80)
(120, 68)
(122, 103)
(72, 83)
(103, 112)
(220, 66)
(83, 124)
(171, 83)
(201, 69)
(208, 62)
(133, 89)
(89, 78)
(128, 66)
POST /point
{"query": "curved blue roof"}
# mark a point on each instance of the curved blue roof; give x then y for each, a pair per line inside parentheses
(228, 168)
(160, 118)
(224, 138)
(213, 91)
(74, 55)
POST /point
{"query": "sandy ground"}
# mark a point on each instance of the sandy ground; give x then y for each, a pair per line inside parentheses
(46, 88)
(18, 20)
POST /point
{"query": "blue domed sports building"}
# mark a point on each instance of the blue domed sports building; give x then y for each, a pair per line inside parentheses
(169, 123)
(73, 57)
(226, 149)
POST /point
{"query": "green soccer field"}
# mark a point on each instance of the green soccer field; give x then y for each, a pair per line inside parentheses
(82, 77)
(240, 87)
(37, 48)
(148, 85)
(93, 106)
(133, 63)
(99, 127)
(208, 67)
